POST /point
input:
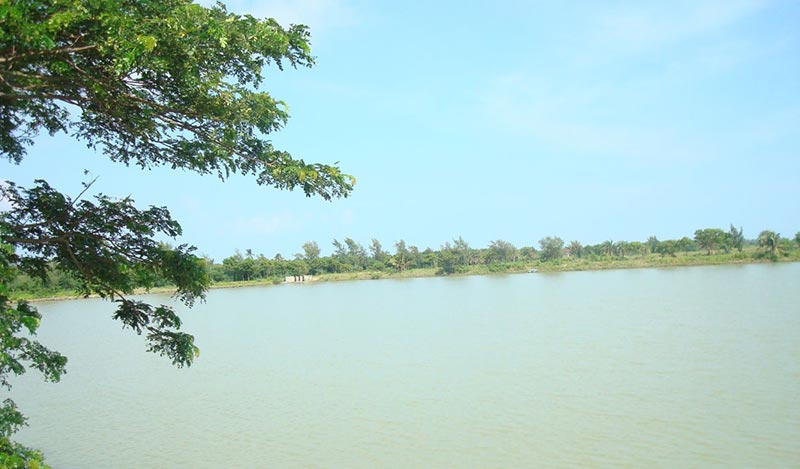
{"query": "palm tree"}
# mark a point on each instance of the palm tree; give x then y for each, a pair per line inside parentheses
(768, 242)
(621, 248)
(576, 249)
(607, 247)
(737, 238)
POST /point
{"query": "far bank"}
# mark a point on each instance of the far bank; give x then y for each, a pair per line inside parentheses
(567, 264)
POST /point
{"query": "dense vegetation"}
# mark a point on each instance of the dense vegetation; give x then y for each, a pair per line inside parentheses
(350, 259)
(707, 246)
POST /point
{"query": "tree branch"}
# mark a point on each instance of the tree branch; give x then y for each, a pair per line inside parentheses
(49, 52)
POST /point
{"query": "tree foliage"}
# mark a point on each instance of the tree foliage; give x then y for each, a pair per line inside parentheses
(501, 251)
(401, 256)
(607, 248)
(311, 251)
(376, 251)
(652, 243)
(109, 247)
(667, 247)
(736, 238)
(154, 83)
(168, 83)
(575, 249)
(551, 248)
(769, 243)
(18, 325)
(710, 239)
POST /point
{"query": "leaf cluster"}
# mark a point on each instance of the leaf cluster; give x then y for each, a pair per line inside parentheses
(18, 325)
(154, 83)
(109, 246)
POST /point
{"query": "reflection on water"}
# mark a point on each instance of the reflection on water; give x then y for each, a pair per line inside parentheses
(667, 367)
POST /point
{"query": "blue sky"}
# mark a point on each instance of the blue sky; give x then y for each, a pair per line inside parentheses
(505, 120)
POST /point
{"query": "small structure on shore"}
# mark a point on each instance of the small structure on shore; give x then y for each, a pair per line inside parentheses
(298, 278)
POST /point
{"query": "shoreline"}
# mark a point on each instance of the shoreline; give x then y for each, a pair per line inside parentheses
(561, 265)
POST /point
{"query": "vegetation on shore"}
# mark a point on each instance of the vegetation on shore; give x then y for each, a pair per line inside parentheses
(351, 261)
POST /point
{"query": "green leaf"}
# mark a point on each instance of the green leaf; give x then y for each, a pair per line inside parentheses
(148, 42)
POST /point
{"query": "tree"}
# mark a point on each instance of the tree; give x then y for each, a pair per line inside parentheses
(501, 251)
(429, 258)
(356, 253)
(768, 242)
(311, 251)
(576, 249)
(684, 244)
(607, 248)
(709, 239)
(527, 253)
(297, 268)
(667, 247)
(652, 243)
(339, 252)
(17, 349)
(465, 255)
(264, 267)
(637, 247)
(400, 259)
(736, 238)
(154, 83)
(376, 251)
(621, 248)
(150, 83)
(414, 256)
(592, 250)
(448, 260)
(551, 248)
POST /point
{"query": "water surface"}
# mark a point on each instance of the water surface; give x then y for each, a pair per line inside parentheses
(678, 367)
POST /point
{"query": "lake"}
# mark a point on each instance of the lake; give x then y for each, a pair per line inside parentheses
(683, 367)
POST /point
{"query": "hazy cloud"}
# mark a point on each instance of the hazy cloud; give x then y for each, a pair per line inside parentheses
(268, 224)
(594, 120)
(628, 92)
(638, 27)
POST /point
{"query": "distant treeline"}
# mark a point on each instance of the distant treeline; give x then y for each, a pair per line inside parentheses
(350, 256)
(458, 256)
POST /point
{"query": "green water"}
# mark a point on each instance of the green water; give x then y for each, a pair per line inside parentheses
(686, 367)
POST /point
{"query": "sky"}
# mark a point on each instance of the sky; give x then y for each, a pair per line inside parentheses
(512, 120)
